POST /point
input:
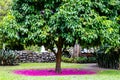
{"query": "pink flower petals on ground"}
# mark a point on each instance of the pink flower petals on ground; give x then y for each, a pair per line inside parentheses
(51, 72)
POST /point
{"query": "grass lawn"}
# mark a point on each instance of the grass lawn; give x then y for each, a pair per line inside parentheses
(6, 72)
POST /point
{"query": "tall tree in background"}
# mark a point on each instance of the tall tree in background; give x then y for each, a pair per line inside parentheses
(30, 19)
(57, 23)
(4, 8)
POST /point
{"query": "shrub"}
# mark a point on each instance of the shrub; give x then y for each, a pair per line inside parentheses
(81, 59)
(33, 48)
(8, 57)
(107, 60)
(92, 59)
(68, 60)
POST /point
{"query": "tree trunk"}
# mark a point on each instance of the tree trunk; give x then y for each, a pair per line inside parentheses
(58, 56)
(58, 62)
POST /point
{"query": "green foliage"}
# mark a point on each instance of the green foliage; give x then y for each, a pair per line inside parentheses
(29, 25)
(9, 29)
(81, 59)
(8, 57)
(1, 40)
(4, 8)
(110, 60)
(90, 22)
(34, 48)
(68, 60)
(92, 60)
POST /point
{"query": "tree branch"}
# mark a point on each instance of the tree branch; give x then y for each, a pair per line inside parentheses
(53, 51)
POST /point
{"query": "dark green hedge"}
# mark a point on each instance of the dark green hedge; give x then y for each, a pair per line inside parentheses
(108, 60)
(81, 59)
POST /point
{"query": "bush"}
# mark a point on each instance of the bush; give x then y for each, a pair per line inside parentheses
(92, 59)
(68, 60)
(8, 57)
(107, 60)
(81, 59)
(33, 48)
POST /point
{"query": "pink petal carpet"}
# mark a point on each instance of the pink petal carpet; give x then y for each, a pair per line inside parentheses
(51, 72)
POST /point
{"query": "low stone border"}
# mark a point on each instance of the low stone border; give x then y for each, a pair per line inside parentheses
(29, 56)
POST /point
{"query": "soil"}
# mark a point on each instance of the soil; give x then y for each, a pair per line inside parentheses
(94, 67)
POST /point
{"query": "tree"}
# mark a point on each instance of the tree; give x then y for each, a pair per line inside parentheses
(58, 23)
(90, 22)
(9, 30)
(4, 8)
(31, 22)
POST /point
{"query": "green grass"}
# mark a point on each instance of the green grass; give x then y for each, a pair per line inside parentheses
(6, 72)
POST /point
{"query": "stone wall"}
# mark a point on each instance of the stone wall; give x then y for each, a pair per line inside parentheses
(29, 56)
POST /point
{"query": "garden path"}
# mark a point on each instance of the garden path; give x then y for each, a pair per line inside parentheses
(94, 66)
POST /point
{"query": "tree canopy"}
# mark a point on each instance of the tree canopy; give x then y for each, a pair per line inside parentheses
(4, 8)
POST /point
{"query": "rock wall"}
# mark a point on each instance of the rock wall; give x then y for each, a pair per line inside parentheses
(29, 56)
